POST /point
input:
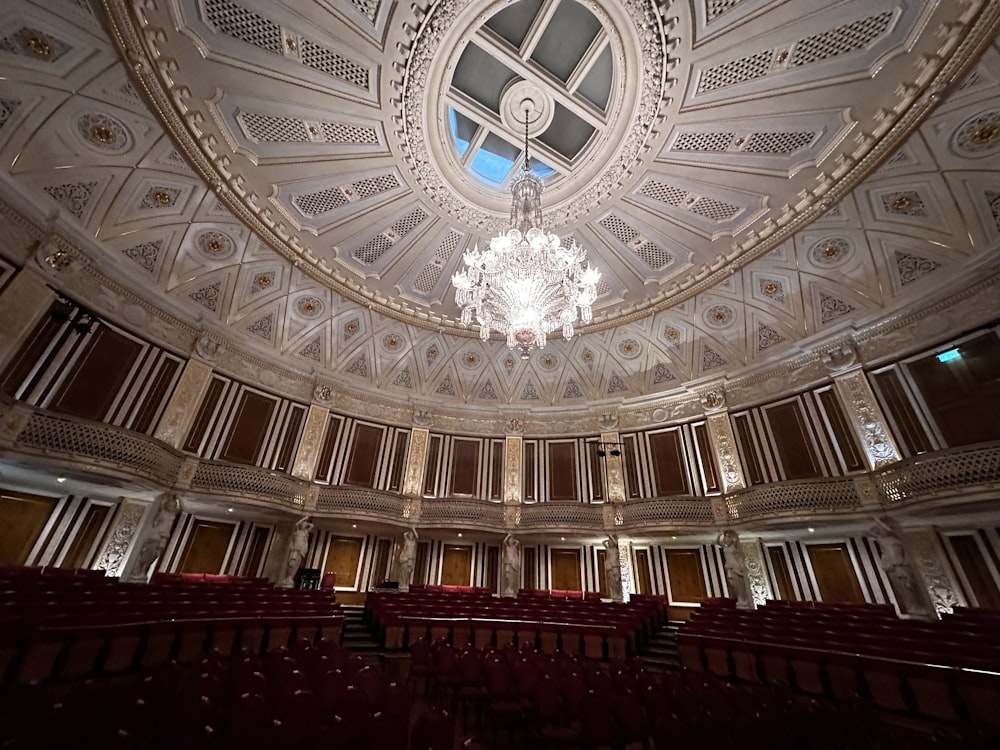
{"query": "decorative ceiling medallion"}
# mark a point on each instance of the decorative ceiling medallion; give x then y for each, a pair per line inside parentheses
(470, 359)
(719, 316)
(309, 307)
(392, 342)
(30, 42)
(104, 132)
(160, 197)
(548, 361)
(629, 348)
(672, 335)
(979, 135)
(831, 251)
(214, 244)
(423, 106)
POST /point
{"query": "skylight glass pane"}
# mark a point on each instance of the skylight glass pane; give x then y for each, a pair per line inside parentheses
(512, 23)
(566, 39)
(481, 77)
(540, 168)
(494, 159)
(596, 86)
(463, 130)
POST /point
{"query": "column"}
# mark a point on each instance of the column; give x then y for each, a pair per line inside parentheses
(122, 539)
(720, 431)
(863, 411)
(513, 478)
(183, 405)
(22, 304)
(304, 465)
(416, 462)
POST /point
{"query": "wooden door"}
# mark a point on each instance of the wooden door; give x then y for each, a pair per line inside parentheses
(644, 584)
(834, 572)
(456, 568)
(343, 559)
(686, 576)
(206, 547)
(22, 519)
(566, 570)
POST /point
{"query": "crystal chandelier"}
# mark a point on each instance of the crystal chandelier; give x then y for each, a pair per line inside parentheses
(527, 283)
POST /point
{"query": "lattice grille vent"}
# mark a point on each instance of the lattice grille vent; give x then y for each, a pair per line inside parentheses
(266, 128)
(241, 23)
(377, 246)
(839, 41)
(427, 279)
(321, 201)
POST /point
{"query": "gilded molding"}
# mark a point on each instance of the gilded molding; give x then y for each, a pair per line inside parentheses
(867, 418)
(304, 465)
(513, 471)
(416, 462)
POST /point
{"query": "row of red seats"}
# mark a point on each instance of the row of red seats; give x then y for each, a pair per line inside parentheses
(593, 627)
(942, 670)
(529, 699)
(309, 695)
(98, 625)
(558, 594)
(479, 591)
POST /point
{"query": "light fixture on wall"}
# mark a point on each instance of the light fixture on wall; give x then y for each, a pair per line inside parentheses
(526, 284)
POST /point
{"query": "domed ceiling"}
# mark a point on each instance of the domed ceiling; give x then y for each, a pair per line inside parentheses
(301, 179)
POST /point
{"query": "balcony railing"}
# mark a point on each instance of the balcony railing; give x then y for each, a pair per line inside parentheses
(965, 473)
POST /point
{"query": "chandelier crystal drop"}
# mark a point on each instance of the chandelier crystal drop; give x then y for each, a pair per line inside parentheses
(526, 284)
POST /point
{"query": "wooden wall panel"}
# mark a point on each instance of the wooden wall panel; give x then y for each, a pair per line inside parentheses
(529, 562)
(31, 352)
(400, 445)
(293, 429)
(324, 465)
(707, 457)
(155, 396)
(566, 570)
(343, 558)
(464, 467)
(203, 419)
(530, 494)
(432, 463)
(630, 458)
(669, 467)
(78, 552)
(644, 584)
(364, 456)
(686, 576)
(456, 566)
(910, 432)
(782, 577)
(256, 549)
(496, 470)
(834, 572)
(563, 472)
(963, 394)
(978, 579)
(493, 568)
(95, 379)
(249, 428)
(795, 451)
(602, 573)
(207, 544)
(22, 520)
(843, 435)
(752, 466)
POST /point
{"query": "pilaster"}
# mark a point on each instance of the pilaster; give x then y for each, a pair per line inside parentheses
(866, 417)
(416, 462)
(304, 465)
(760, 586)
(22, 304)
(939, 578)
(513, 470)
(722, 439)
(614, 468)
(183, 405)
(122, 538)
